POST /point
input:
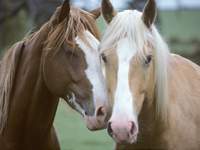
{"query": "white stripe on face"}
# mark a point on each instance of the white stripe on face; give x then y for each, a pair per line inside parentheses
(93, 71)
(123, 104)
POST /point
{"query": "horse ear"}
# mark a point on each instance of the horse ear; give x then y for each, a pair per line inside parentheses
(107, 10)
(65, 10)
(149, 13)
(96, 13)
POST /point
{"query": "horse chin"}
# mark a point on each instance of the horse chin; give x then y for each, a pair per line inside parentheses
(92, 122)
(120, 140)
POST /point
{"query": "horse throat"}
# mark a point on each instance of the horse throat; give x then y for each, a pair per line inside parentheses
(151, 128)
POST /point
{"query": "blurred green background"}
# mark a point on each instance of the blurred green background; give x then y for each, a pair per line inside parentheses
(181, 29)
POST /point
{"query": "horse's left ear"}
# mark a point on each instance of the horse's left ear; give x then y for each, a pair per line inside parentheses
(65, 10)
(149, 13)
(96, 13)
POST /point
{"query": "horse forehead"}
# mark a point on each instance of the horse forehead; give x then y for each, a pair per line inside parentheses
(89, 45)
(125, 51)
(87, 42)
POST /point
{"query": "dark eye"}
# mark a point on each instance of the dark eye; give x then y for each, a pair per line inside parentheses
(148, 59)
(103, 56)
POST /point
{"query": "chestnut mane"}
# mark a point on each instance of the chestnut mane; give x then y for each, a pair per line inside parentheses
(50, 37)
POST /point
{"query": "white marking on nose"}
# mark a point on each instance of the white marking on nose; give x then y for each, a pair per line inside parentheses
(93, 71)
(123, 109)
(72, 102)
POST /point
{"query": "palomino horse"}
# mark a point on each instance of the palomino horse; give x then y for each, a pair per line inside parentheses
(59, 60)
(155, 94)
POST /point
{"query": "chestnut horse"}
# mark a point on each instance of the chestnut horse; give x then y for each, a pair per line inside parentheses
(61, 60)
(155, 94)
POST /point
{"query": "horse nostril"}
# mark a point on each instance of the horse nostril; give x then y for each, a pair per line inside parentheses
(100, 111)
(109, 129)
(86, 113)
(132, 127)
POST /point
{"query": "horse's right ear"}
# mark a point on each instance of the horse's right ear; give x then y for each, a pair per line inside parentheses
(108, 11)
(65, 11)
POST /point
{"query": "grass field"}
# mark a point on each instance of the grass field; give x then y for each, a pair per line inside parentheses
(182, 25)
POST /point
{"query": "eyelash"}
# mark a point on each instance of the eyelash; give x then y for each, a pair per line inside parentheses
(103, 56)
(148, 59)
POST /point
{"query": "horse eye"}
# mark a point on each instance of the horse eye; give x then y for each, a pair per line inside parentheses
(148, 59)
(103, 56)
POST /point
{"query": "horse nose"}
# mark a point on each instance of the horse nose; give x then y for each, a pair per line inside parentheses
(101, 115)
(123, 132)
(98, 120)
(101, 112)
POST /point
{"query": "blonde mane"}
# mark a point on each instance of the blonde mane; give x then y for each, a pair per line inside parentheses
(128, 24)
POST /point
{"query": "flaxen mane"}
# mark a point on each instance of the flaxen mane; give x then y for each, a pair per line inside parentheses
(128, 24)
(57, 33)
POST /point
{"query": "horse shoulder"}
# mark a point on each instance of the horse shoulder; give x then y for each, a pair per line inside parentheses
(185, 72)
(184, 86)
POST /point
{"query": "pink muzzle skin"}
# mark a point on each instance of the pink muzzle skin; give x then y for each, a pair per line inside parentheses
(123, 132)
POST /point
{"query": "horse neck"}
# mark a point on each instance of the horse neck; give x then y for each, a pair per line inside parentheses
(150, 127)
(31, 102)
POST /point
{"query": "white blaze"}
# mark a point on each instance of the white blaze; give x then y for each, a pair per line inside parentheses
(93, 71)
(123, 109)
